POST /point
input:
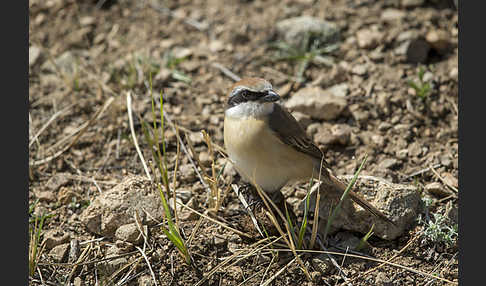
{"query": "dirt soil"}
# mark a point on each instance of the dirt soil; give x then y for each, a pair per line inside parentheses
(85, 56)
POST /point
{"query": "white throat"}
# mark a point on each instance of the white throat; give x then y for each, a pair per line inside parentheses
(250, 109)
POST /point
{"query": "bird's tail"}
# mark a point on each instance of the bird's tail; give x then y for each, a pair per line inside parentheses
(359, 200)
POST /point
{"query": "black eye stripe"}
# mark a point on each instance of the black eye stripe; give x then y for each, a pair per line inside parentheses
(245, 95)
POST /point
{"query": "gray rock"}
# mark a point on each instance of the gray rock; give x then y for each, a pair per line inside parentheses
(317, 103)
(59, 252)
(130, 233)
(401, 203)
(293, 30)
(65, 64)
(55, 237)
(117, 206)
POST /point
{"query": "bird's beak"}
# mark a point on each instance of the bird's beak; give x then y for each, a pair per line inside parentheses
(271, 96)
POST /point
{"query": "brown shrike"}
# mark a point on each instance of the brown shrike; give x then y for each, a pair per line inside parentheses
(267, 145)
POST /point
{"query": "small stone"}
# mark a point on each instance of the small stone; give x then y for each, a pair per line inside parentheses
(417, 51)
(454, 73)
(317, 103)
(452, 213)
(388, 163)
(220, 242)
(185, 193)
(216, 46)
(78, 281)
(46, 196)
(414, 149)
(322, 263)
(205, 159)
(360, 70)
(368, 39)
(401, 154)
(438, 40)
(34, 54)
(358, 113)
(130, 233)
(436, 189)
(412, 3)
(391, 14)
(55, 237)
(59, 252)
(384, 126)
(57, 181)
(65, 195)
(340, 90)
(294, 30)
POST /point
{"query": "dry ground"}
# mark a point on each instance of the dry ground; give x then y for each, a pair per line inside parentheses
(103, 49)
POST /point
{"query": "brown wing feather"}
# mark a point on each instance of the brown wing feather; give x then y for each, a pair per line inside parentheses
(289, 131)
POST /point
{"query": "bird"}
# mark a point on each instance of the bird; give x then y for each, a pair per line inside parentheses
(269, 148)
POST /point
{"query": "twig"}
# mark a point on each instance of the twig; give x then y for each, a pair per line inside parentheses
(226, 71)
(148, 263)
(135, 142)
(53, 117)
(81, 132)
(245, 204)
(442, 179)
(278, 272)
(389, 260)
(422, 171)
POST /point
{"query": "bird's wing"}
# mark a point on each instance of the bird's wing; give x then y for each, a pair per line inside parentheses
(289, 131)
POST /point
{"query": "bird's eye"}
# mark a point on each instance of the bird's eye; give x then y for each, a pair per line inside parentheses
(244, 93)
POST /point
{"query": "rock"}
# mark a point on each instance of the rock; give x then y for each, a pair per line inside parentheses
(294, 30)
(412, 3)
(57, 181)
(436, 189)
(333, 134)
(109, 267)
(65, 195)
(368, 38)
(388, 163)
(391, 14)
(34, 55)
(400, 203)
(66, 63)
(185, 193)
(340, 90)
(55, 237)
(45, 196)
(438, 40)
(130, 233)
(360, 70)
(417, 51)
(414, 149)
(322, 263)
(358, 113)
(145, 280)
(59, 252)
(219, 242)
(117, 206)
(317, 103)
(454, 73)
(78, 281)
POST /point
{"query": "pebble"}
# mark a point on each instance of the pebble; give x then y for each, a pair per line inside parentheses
(59, 252)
